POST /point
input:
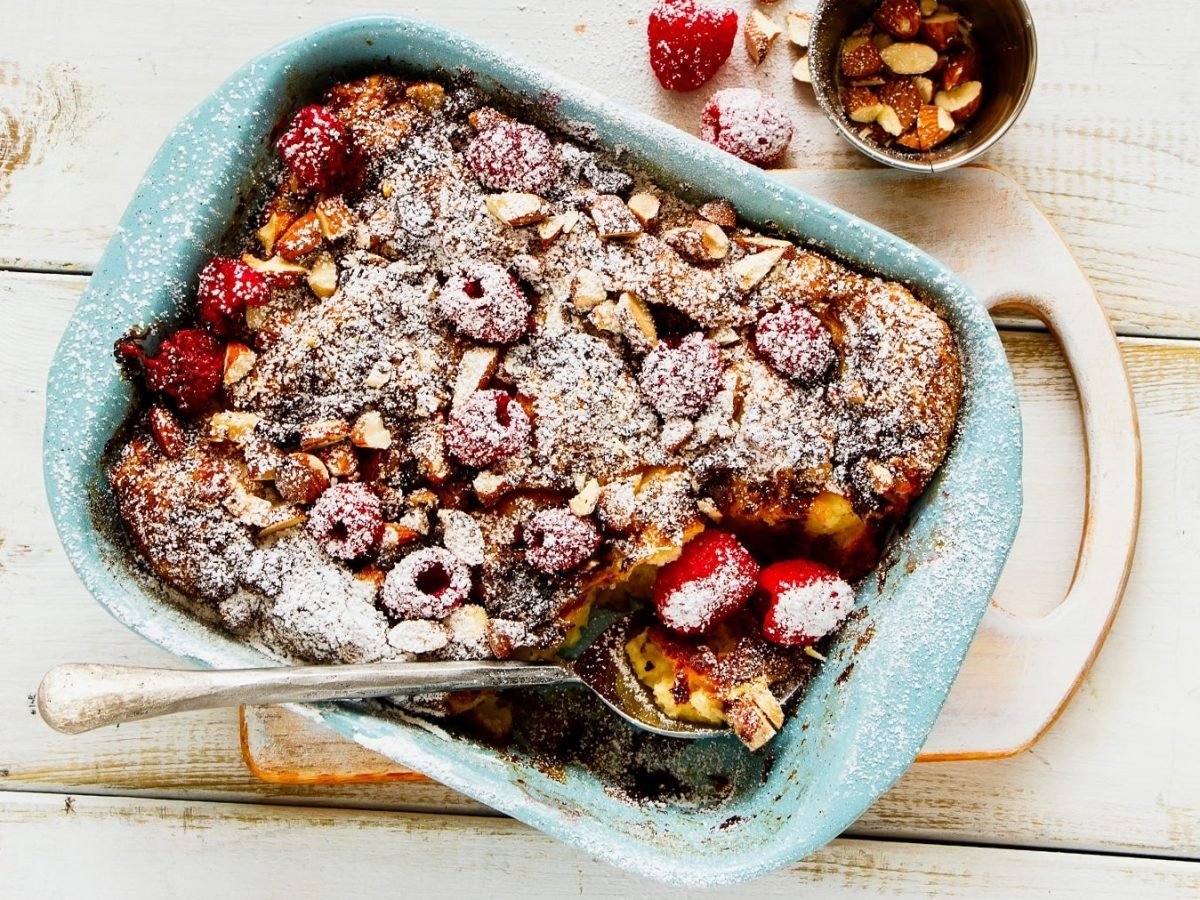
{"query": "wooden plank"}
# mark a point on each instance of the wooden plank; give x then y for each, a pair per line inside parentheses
(120, 847)
(1115, 773)
(1112, 162)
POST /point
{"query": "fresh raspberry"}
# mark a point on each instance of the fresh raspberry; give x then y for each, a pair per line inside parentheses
(426, 584)
(556, 540)
(315, 147)
(805, 601)
(188, 366)
(485, 303)
(347, 520)
(513, 156)
(713, 578)
(679, 378)
(489, 426)
(227, 287)
(689, 41)
(747, 123)
(796, 343)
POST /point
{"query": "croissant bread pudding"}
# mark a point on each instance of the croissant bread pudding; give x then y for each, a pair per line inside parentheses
(464, 380)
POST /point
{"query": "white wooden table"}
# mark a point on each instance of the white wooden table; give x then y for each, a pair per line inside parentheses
(1107, 803)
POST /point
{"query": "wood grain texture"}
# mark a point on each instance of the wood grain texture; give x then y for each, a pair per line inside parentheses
(1112, 162)
(1077, 789)
(308, 853)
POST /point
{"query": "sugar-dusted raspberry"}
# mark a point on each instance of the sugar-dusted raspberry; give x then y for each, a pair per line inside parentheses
(747, 123)
(689, 41)
(188, 366)
(680, 378)
(556, 540)
(713, 578)
(805, 601)
(484, 302)
(347, 520)
(227, 287)
(426, 584)
(315, 147)
(512, 156)
(796, 343)
(487, 427)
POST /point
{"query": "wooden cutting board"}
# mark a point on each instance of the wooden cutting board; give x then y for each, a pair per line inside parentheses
(1020, 672)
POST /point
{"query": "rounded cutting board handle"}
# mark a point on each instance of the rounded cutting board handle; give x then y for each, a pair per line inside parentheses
(1021, 672)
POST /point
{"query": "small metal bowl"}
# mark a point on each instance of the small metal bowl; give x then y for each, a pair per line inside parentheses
(1005, 35)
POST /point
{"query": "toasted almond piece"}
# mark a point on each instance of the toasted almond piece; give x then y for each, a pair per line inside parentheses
(379, 375)
(604, 317)
(323, 432)
(709, 508)
(713, 239)
(924, 87)
(167, 432)
(750, 270)
(588, 291)
(239, 360)
(323, 276)
(231, 425)
(799, 26)
(760, 33)
(275, 266)
(490, 487)
(899, 18)
(749, 723)
(859, 58)
(933, 126)
(584, 502)
(301, 478)
(861, 105)
(637, 325)
(516, 209)
(909, 58)
(962, 65)
(462, 536)
(340, 460)
(645, 206)
(563, 223)
(370, 432)
(675, 433)
(257, 317)
(397, 535)
(334, 217)
(688, 243)
(282, 525)
(904, 98)
(386, 188)
(719, 212)
(941, 30)
(277, 223)
(613, 218)
(724, 336)
(889, 121)
(755, 243)
(961, 101)
(801, 71)
(428, 95)
(477, 365)
(302, 237)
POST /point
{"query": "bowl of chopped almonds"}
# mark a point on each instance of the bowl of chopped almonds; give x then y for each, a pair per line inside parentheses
(921, 85)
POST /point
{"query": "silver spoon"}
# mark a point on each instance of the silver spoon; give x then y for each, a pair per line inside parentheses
(78, 697)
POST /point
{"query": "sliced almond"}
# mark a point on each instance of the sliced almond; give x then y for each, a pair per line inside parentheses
(323, 276)
(334, 217)
(516, 209)
(758, 242)
(889, 121)
(276, 224)
(909, 58)
(583, 503)
(490, 487)
(239, 360)
(231, 425)
(750, 270)
(282, 525)
(760, 33)
(563, 223)
(588, 290)
(924, 88)
(301, 478)
(275, 266)
(724, 336)
(323, 432)
(370, 432)
(604, 317)
(713, 239)
(645, 206)
(799, 25)
(719, 212)
(613, 218)
(637, 325)
(478, 364)
(801, 71)
(167, 432)
(302, 237)
(961, 101)
(340, 460)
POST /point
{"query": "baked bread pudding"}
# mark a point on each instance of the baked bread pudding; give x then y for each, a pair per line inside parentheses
(464, 379)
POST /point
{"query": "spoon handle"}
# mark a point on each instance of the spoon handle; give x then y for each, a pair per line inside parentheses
(78, 697)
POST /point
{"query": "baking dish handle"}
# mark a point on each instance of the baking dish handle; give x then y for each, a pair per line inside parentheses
(1021, 672)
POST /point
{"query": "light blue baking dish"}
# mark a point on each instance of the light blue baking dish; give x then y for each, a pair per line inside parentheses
(865, 717)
